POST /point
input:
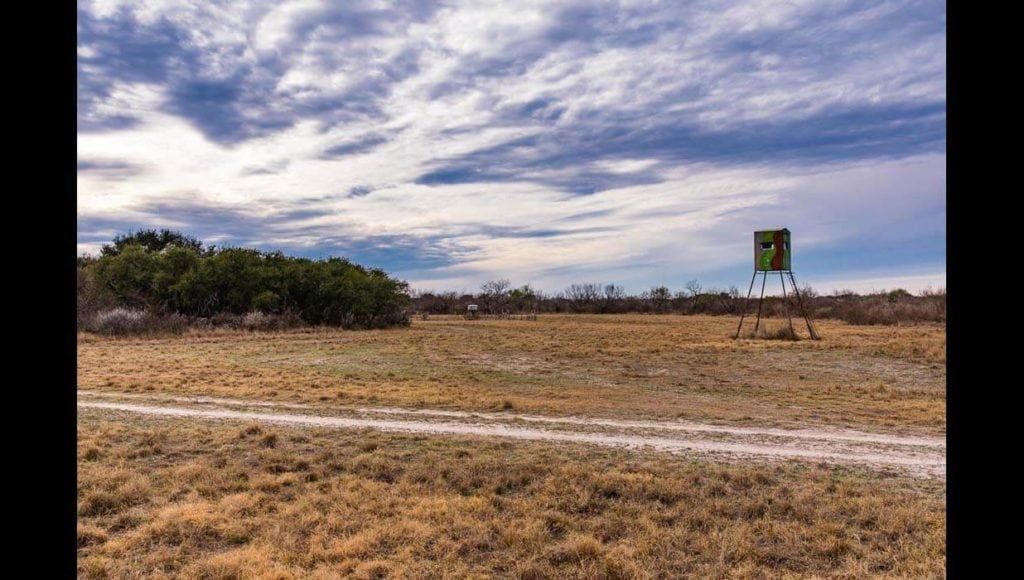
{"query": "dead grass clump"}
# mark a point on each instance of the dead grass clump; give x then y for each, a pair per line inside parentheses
(576, 549)
(642, 487)
(95, 567)
(620, 563)
(239, 505)
(195, 526)
(531, 569)
(251, 430)
(377, 467)
(240, 563)
(372, 570)
(90, 535)
(115, 491)
(780, 333)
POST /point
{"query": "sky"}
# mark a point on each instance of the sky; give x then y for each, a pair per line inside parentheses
(450, 143)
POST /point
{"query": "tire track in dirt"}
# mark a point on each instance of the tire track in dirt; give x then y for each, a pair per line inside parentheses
(916, 456)
(834, 434)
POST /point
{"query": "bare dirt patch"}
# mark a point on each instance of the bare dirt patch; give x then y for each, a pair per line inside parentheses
(918, 456)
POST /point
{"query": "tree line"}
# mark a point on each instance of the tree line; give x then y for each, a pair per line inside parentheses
(162, 280)
(170, 275)
(500, 297)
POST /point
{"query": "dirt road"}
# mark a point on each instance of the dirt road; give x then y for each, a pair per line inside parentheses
(916, 456)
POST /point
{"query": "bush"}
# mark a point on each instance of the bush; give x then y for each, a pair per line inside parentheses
(126, 321)
(876, 310)
(169, 324)
(261, 321)
(256, 321)
(91, 298)
(224, 320)
(167, 273)
(119, 321)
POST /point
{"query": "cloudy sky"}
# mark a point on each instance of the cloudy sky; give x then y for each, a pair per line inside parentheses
(638, 143)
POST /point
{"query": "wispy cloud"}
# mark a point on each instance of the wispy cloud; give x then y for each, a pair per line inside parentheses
(452, 142)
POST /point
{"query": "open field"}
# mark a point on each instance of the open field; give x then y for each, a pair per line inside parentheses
(163, 498)
(571, 446)
(628, 366)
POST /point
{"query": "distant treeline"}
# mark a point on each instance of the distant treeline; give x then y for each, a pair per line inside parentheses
(499, 296)
(164, 280)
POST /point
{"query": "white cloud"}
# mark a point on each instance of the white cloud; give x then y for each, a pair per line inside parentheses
(466, 78)
(865, 283)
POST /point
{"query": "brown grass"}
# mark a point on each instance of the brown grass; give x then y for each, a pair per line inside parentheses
(781, 332)
(213, 500)
(600, 365)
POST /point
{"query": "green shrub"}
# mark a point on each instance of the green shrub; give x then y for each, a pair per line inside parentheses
(165, 273)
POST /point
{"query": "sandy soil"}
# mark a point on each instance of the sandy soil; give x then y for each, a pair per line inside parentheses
(916, 456)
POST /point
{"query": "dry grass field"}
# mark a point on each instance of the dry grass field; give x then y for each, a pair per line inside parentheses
(628, 366)
(167, 497)
(220, 500)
